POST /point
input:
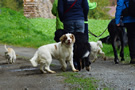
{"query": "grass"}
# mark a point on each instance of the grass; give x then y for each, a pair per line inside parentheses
(78, 82)
(15, 29)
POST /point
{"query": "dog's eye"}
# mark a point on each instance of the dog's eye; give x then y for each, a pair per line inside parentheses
(71, 36)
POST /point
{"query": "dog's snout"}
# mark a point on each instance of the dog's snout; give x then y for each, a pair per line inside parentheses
(68, 40)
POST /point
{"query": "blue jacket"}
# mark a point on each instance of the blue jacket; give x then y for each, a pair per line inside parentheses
(78, 12)
(121, 6)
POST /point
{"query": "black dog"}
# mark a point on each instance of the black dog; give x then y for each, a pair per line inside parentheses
(117, 33)
(107, 40)
(81, 52)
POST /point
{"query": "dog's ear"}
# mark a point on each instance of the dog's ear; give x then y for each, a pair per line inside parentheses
(63, 38)
(73, 38)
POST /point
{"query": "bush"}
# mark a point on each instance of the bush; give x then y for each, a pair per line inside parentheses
(12, 4)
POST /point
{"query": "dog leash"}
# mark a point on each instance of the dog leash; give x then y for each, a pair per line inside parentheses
(96, 35)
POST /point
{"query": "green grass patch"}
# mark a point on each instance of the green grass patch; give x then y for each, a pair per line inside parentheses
(79, 82)
(15, 29)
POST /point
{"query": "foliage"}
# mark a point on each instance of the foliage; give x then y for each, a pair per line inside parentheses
(12, 4)
(100, 12)
(20, 4)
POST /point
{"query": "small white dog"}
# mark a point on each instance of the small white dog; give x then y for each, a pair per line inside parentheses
(10, 55)
(96, 49)
(62, 51)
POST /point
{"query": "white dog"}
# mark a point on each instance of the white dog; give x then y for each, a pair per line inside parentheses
(96, 49)
(10, 55)
(62, 51)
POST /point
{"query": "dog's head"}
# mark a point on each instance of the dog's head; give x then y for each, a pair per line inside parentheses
(106, 39)
(7, 56)
(99, 43)
(68, 39)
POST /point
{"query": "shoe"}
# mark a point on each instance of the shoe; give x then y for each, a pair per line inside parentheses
(132, 61)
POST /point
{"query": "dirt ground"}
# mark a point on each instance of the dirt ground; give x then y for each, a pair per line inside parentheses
(22, 76)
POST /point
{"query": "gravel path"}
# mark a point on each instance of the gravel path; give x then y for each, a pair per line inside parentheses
(117, 77)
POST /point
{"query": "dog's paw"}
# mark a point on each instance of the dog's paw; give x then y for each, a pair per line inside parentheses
(93, 61)
(75, 70)
(42, 71)
(52, 72)
(88, 68)
(105, 58)
(116, 61)
(63, 69)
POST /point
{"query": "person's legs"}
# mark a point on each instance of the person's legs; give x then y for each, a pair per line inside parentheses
(73, 26)
(69, 26)
(79, 26)
(131, 40)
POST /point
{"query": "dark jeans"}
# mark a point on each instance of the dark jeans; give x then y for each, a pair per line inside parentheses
(131, 38)
(73, 26)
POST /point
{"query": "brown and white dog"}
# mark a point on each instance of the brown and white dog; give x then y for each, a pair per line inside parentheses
(62, 51)
(10, 55)
(96, 49)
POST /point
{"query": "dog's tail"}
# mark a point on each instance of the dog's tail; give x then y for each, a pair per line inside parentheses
(5, 47)
(33, 60)
(99, 43)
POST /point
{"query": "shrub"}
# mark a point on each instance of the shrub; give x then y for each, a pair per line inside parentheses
(12, 4)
